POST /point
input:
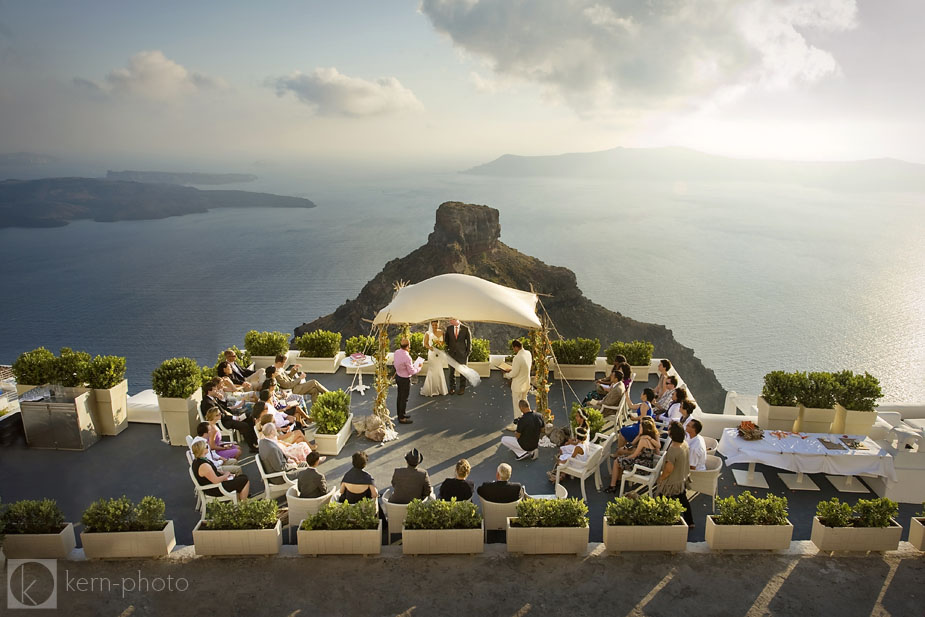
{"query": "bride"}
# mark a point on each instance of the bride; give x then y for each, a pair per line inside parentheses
(435, 383)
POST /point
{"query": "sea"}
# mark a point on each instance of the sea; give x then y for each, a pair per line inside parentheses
(754, 277)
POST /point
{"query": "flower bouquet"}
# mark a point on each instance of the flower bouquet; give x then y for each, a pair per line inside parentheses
(750, 431)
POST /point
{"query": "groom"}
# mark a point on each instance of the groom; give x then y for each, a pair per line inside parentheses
(458, 345)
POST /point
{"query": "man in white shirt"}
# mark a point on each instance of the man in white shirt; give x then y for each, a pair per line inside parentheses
(520, 378)
(697, 447)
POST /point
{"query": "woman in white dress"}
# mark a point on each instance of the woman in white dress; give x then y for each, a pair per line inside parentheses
(435, 383)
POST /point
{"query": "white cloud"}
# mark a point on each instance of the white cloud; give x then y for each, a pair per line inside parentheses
(603, 56)
(332, 93)
(152, 75)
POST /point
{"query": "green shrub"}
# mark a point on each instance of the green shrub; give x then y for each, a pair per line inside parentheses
(71, 368)
(244, 357)
(746, 509)
(440, 514)
(416, 347)
(335, 516)
(817, 391)
(525, 340)
(576, 350)
(106, 372)
(570, 512)
(833, 513)
(176, 378)
(33, 516)
(266, 343)
(318, 344)
(644, 510)
(250, 514)
(481, 349)
(362, 343)
(594, 416)
(857, 392)
(207, 373)
(637, 353)
(922, 513)
(865, 513)
(34, 368)
(111, 515)
(781, 388)
(330, 411)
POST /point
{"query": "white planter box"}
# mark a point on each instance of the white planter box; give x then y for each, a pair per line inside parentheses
(642, 374)
(262, 361)
(864, 539)
(326, 366)
(23, 388)
(917, 533)
(748, 537)
(110, 409)
(345, 542)
(129, 543)
(181, 415)
(850, 422)
(547, 540)
(40, 545)
(574, 372)
(482, 368)
(672, 538)
(442, 541)
(776, 417)
(814, 420)
(331, 445)
(237, 541)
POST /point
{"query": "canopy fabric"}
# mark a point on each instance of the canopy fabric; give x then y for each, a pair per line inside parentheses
(468, 298)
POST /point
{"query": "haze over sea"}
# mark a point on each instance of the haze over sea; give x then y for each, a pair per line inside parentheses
(753, 277)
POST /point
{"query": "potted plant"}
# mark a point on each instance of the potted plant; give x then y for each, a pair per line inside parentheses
(644, 524)
(331, 413)
(575, 358)
(71, 369)
(777, 406)
(33, 368)
(319, 351)
(106, 377)
(479, 357)
(856, 397)
(178, 385)
(116, 528)
(917, 530)
(869, 526)
(342, 529)
(364, 344)
(638, 355)
(749, 522)
(250, 527)
(549, 526)
(265, 346)
(595, 418)
(437, 526)
(36, 530)
(817, 403)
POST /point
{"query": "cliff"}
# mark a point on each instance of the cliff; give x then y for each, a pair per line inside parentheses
(466, 239)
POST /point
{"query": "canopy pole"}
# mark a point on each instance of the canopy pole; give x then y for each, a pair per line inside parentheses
(539, 340)
(382, 379)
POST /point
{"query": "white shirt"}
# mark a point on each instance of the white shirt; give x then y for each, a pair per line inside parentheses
(673, 414)
(697, 448)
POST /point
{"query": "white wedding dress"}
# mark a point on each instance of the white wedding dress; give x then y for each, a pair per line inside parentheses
(435, 382)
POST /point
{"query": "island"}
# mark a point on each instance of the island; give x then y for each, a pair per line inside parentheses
(177, 177)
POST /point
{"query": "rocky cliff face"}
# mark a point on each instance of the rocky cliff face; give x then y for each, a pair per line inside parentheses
(466, 239)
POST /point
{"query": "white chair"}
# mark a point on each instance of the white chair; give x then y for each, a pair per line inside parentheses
(225, 433)
(496, 514)
(710, 444)
(395, 513)
(598, 447)
(619, 418)
(301, 507)
(706, 482)
(204, 499)
(642, 475)
(271, 490)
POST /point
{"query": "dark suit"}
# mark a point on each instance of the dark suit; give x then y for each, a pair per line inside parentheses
(245, 427)
(238, 374)
(458, 347)
(312, 483)
(501, 491)
(454, 487)
(273, 459)
(409, 483)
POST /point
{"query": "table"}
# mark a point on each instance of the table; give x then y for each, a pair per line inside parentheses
(349, 362)
(803, 453)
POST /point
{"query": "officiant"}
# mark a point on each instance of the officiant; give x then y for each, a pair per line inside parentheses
(405, 369)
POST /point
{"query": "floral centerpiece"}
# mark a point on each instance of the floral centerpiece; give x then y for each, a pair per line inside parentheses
(750, 431)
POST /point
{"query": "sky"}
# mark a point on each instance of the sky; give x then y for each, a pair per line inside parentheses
(460, 82)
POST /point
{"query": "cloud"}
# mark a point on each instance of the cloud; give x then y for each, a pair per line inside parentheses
(152, 75)
(332, 93)
(606, 56)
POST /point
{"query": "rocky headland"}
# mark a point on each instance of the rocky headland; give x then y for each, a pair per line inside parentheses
(177, 177)
(466, 239)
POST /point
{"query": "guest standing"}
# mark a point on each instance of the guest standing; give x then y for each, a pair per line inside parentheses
(676, 471)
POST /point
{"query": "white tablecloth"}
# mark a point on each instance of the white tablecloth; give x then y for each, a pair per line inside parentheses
(807, 455)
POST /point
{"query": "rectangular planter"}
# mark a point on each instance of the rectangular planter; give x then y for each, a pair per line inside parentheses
(326, 366)
(442, 541)
(814, 420)
(576, 372)
(671, 538)
(864, 539)
(262, 361)
(129, 543)
(237, 541)
(850, 422)
(547, 540)
(642, 374)
(917, 533)
(748, 537)
(110, 409)
(40, 545)
(776, 417)
(331, 445)
(181, 415)
(482, 368)
(345, 542)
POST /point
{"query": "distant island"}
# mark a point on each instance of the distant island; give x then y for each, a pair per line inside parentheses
(177, 177)
(684, 165)
(54, 202)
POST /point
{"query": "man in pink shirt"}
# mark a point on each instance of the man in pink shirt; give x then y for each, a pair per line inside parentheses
(404, 370)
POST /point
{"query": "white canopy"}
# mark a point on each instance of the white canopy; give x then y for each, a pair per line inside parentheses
(468, 298)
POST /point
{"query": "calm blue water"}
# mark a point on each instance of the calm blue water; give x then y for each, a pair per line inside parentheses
(753, 277)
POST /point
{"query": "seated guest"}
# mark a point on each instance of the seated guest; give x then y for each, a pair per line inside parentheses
(311, 481)
(291, 411)
(613, 397)
(296, 451)
(666, 398)
(627, 371)
(575, 448)
(459, 487)
(501, 490)
(225, 449)
(410, 482)
(293, 380)
(672, 481)
(642, 451)
(687, 409)
(223, 465)
(696, 446)
(526, 439)
(284, 426)
(602, 386)
(643, 409)
(674, 413)
(206, 473)
(224, 373)
(272, 455)
(234, 419)
(357, 483)
(238, 375)
(664, 365)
